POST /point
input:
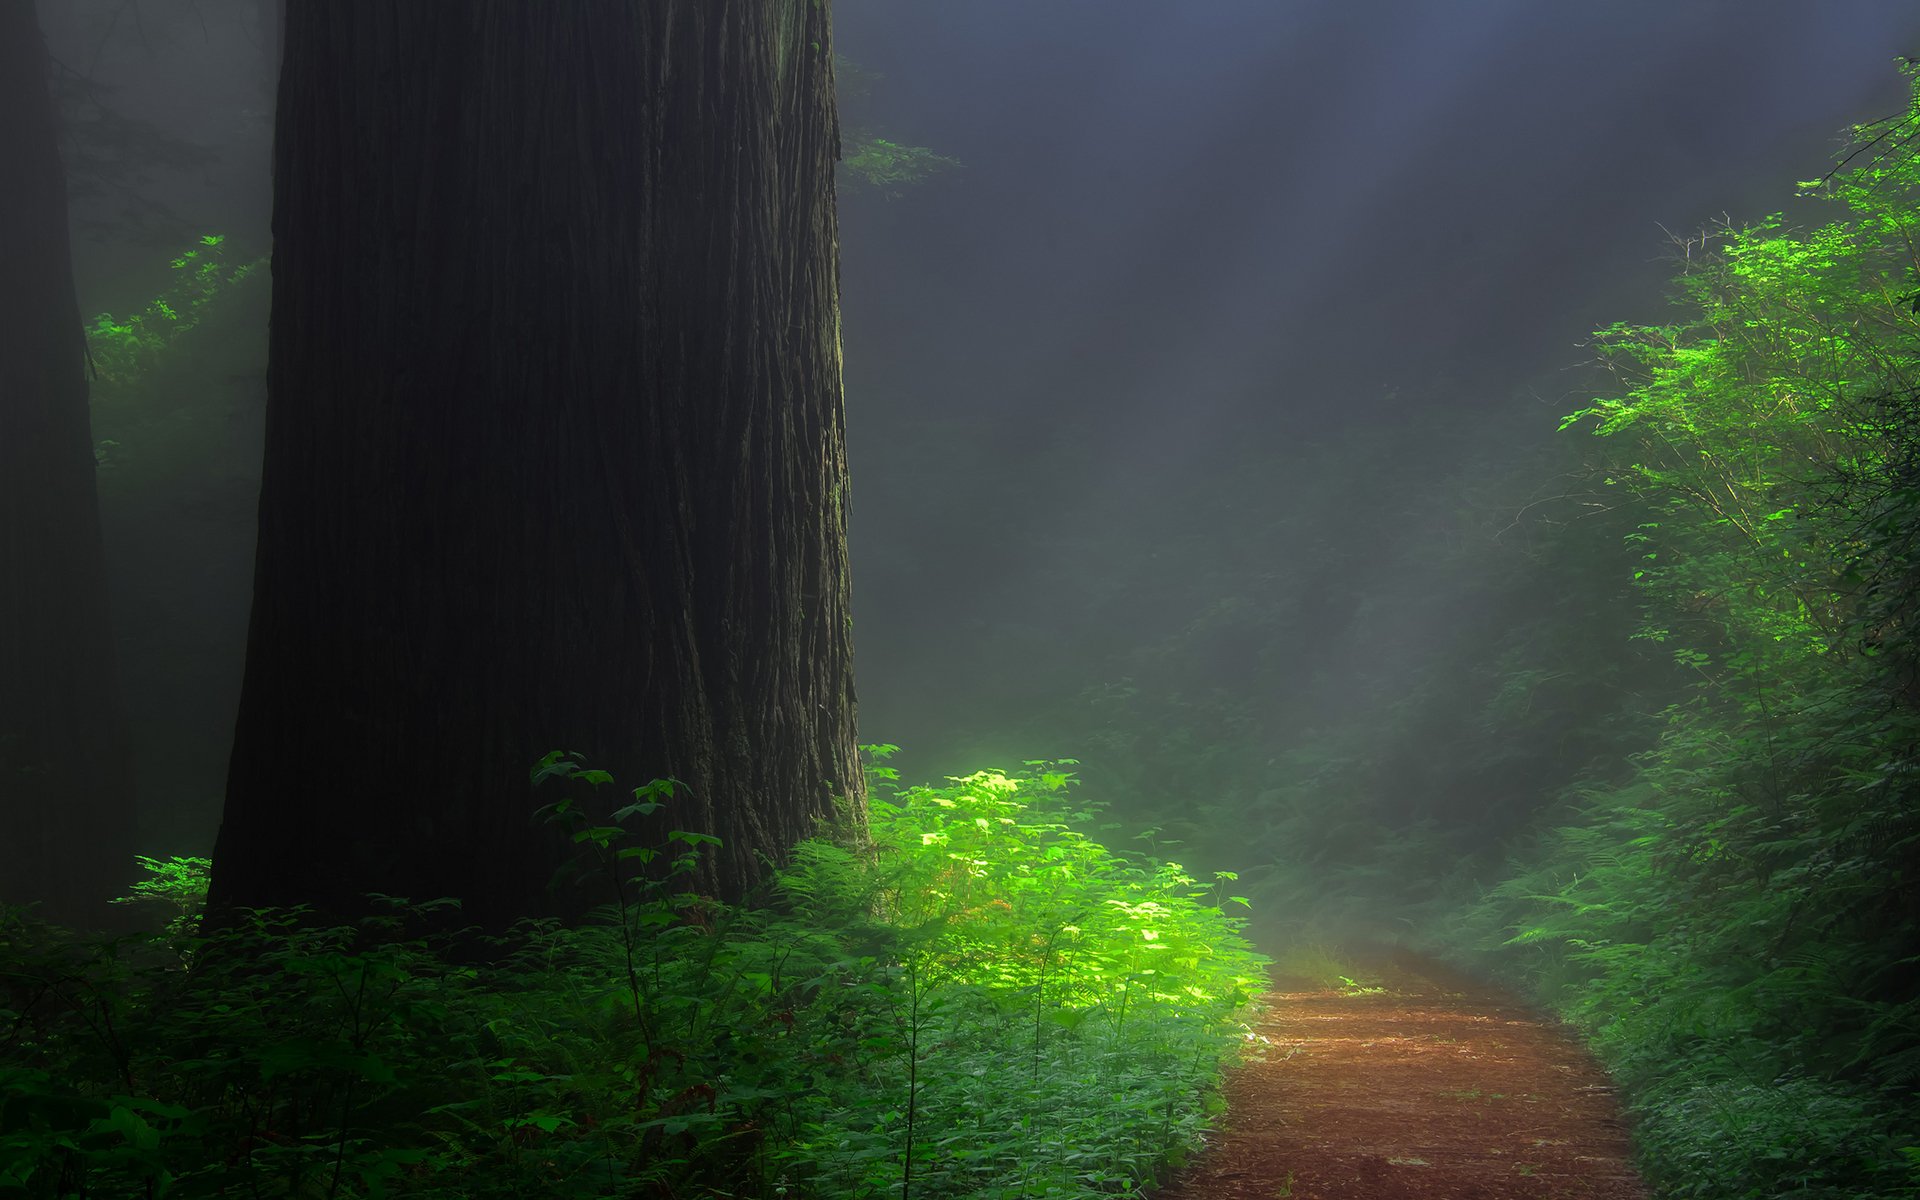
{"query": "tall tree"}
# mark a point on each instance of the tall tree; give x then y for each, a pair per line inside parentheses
(555, 454)
(66, 794)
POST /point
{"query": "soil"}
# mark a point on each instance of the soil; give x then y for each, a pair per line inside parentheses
(1434, 1087)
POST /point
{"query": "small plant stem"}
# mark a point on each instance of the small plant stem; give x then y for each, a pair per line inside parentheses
(626, 945)
(913, 1077)
(346, 1103)
(1039, 1008)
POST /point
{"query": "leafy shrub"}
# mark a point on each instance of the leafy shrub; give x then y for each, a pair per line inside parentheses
(979, 1002)
(1708, 1132)
(1731, 921)
(121, 349)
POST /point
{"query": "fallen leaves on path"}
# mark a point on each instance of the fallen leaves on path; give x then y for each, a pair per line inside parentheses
(1432, 1087)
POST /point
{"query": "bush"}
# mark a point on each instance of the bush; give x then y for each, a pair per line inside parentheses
(979, 1002)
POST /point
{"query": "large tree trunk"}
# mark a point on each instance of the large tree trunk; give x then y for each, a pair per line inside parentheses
(555, 456)
(66, 793)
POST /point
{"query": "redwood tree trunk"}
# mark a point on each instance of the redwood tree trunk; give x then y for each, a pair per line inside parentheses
(555, 456)
(66, 793)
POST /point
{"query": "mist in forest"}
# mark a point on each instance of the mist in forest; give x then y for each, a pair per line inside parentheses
(1206, 294)
(1225, 244)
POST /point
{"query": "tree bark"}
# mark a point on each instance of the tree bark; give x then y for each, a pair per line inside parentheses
(555, 455)
(66, 790)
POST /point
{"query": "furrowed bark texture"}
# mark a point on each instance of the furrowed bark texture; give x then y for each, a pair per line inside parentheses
(555, 455)
(66, 793)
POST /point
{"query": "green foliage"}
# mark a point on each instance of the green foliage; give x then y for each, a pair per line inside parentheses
(889, 167)
(122, 349)
(869, 159)
(980, 1002)
(1733, 921)
(178, 885)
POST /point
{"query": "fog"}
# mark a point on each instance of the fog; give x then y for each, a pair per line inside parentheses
(1208, 239)
(1232, 315)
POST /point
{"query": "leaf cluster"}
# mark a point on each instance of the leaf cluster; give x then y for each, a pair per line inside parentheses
(121, 350)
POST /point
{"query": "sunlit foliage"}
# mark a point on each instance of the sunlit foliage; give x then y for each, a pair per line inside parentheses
(123, 348)
(889, 167)
(869, 159)
(981, 1002)
(1734, 923)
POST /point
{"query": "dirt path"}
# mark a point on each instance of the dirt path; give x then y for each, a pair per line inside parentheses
(1435, 1088)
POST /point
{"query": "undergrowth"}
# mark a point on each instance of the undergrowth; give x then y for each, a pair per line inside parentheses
(1730, 915)
(980, 1001)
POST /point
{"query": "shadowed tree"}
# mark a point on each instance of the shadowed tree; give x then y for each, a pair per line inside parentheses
(554, 450)
(66, 808)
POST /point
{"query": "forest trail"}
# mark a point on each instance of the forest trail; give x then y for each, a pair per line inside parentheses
(1434, 1087)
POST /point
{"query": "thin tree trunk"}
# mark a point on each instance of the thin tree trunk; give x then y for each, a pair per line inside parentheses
(66, 793)
(555, 456)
